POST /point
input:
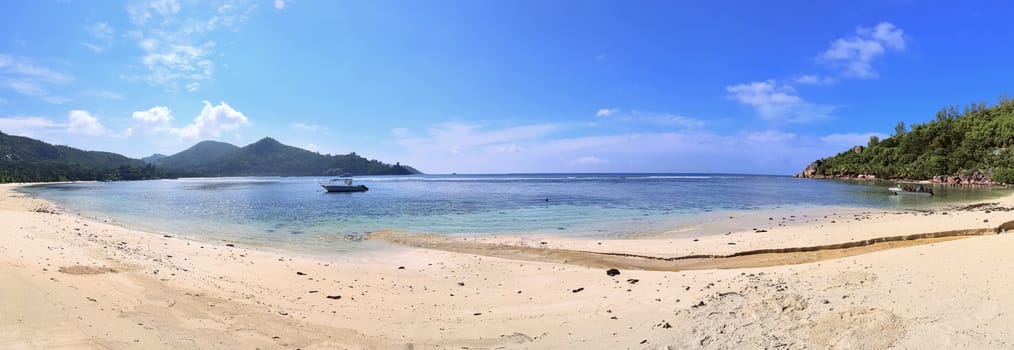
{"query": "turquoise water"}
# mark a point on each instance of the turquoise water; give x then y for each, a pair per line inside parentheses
(295, 210)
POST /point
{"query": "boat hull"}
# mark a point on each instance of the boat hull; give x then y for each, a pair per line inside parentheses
(343, 188)
(899, 191)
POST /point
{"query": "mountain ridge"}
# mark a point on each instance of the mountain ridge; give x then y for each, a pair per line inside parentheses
(269, 157)
(24, 159)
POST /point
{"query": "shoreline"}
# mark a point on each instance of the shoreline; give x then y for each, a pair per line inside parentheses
(67, 281)
(701, 223)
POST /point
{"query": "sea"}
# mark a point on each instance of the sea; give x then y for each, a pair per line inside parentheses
(296, 213)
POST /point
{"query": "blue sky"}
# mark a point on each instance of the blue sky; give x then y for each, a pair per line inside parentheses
(499, 86)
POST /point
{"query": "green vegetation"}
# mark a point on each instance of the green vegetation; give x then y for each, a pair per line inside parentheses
(979, 138)
(199, 159)
(24, 159)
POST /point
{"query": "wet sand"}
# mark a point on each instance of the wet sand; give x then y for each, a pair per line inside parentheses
(71, 282)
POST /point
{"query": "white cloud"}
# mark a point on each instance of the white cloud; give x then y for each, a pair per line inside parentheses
(846, 140)
(212, 121)
(814, 79)
(888, 34)
(312, 147)
(776, 102)
(605, 112)
(307, 127)
(399, 132)
(279, 4)
(143, 10)
(153, 117)
(856, 54)
(82, 122)
(176, 54)
(170, 64)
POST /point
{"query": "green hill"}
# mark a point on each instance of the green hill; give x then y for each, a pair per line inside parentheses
(268, 157)
(970, 146)
(202, 159)
(23, 159)
(153, 158)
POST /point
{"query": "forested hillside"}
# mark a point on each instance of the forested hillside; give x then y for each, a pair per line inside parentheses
(23, 159)
(958, 141)
(269, 157)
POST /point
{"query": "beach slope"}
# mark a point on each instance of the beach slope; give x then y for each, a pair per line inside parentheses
(72, 282)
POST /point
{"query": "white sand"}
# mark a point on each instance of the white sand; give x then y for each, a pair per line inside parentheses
(129, 289)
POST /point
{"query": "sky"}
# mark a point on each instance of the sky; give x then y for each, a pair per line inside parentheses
(500, 86)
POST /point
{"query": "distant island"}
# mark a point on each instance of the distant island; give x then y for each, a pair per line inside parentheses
(973, 146)
(24, 159)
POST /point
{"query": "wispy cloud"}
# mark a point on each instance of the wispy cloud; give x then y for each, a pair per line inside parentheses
(27, 126)
(778, 102)
(307, 127)
(654, 118)
(814, 79)
(279, 5)
(553, 148)
(456, 138)
(28, 78)
(177, 54)
(102, 35)
(590, 160)
(856, 54)
(605, 112)
(769, 136)
(143, 10)
(106, 94)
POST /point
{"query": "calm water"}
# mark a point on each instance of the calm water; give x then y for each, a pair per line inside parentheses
(294, 211)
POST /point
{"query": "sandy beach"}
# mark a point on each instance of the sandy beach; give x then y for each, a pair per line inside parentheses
(68, 282)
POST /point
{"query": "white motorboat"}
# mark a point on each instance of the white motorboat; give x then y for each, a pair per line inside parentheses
(343, 185)
(914, 190)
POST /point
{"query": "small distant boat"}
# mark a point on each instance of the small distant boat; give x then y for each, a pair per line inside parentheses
(908, 189)
(343, 185)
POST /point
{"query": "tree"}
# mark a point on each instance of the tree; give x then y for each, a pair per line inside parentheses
(899, 129)
(979, 139)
